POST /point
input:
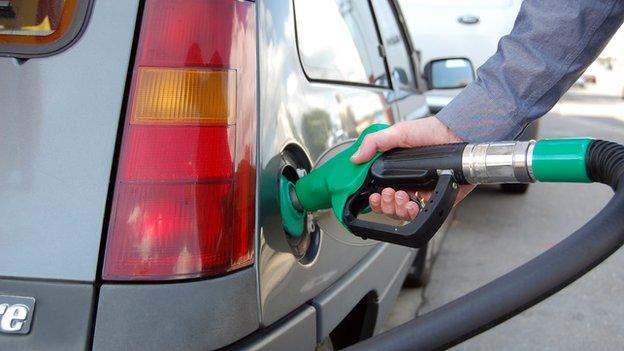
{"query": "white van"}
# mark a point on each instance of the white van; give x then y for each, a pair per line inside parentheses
(461, 29)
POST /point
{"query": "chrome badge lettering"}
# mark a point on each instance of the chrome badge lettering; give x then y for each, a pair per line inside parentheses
(16, 314)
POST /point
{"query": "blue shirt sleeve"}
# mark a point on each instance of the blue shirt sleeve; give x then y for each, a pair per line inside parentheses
(550, 46)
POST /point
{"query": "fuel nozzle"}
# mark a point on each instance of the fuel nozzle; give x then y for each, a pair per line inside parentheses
(345, 187)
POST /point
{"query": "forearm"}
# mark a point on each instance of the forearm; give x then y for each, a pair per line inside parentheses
(550, 46)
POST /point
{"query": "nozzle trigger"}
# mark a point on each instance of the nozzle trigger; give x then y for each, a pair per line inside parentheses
(413, 234)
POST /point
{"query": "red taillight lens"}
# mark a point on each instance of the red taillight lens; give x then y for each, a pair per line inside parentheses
(184, 202)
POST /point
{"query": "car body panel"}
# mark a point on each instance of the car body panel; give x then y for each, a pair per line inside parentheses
(380, 271)
(205, 314)
(61, 318)
(58, 128)
(289, 106)
(287, 98)
(298, 328)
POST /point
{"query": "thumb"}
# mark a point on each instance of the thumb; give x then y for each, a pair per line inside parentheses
(379, 141)
(365, 152)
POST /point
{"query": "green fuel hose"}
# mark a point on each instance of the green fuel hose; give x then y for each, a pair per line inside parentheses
(564, 160)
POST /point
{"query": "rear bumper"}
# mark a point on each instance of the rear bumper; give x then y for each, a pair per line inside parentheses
(61, 317)
(198, 315)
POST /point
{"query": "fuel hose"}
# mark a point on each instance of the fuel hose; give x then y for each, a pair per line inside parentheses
(537, 279)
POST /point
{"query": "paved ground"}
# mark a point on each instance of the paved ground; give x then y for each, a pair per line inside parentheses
(492, 233)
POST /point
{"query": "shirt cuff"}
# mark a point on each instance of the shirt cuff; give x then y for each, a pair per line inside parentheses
(475, 117)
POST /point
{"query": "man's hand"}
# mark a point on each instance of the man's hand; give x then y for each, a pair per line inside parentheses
(421, 132)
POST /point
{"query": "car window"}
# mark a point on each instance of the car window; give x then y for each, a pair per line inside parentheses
(338, 41)
(394, 44)
(31, 28)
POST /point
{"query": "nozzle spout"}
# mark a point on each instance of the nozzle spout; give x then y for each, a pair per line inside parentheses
(292, 193)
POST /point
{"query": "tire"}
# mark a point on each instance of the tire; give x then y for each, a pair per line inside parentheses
(514, 188)
(420, 271)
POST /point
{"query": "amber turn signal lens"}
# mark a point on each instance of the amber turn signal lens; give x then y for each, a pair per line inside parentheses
(192, 96)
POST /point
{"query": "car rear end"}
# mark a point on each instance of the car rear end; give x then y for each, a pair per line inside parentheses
(134, 214)
(127, 174)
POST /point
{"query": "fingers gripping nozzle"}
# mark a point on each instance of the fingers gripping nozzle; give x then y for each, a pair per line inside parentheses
(437, 168)
(416, 233)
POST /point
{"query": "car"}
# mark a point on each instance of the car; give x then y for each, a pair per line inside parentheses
(141, 143)
(468, 32)
(456, 28)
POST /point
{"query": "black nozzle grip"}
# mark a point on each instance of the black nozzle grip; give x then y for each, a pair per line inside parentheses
(414, 234)
(417, 168)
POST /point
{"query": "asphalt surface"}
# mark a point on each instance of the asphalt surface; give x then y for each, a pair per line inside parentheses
(492, 233)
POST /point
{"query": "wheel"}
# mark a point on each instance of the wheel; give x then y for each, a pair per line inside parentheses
(420, 271)
(514, 188)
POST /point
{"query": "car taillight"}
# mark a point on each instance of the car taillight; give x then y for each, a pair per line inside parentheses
(184, 200)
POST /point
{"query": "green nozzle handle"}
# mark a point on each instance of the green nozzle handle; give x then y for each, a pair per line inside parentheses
(331, 184)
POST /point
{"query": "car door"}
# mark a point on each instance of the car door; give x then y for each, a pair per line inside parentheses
(403, 62)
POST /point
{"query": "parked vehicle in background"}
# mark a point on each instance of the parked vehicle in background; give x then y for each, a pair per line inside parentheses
(141, 144)
(468, 30)
(456, 28)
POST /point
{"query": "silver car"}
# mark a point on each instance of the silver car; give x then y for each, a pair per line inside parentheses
(141, 144)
